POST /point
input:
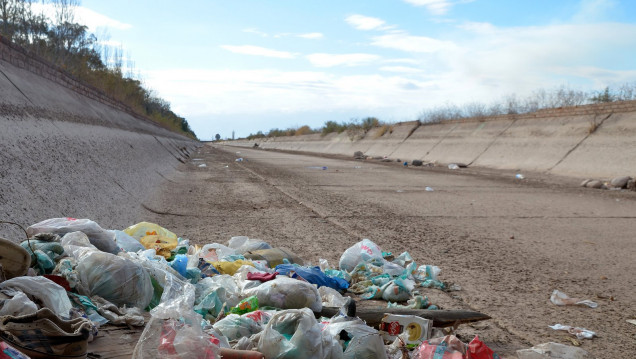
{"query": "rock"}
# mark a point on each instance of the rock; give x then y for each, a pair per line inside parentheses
(594, 184)
(620, 182)
(555, 351)
(358, 155)
(631, 185)
(417, 162)
(585, 182)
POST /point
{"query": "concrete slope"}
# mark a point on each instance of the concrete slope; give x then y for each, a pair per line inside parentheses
(583, 141)
(64, 153)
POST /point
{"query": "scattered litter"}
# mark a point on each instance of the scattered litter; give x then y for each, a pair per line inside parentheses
(317, 167)
(631, 321)
(519, 176)
(203, 165)
(399, 191)
(453, 166)
(560, 298)
(580, 333)
(429, 189)
(240, 159)
(197, 159)
(244, 299)
(413, 329)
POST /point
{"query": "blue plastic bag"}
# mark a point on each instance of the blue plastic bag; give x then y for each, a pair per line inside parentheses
(313, 275)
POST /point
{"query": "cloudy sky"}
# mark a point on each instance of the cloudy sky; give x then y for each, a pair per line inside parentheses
(248, 65)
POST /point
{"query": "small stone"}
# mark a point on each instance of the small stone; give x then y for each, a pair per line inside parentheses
(594, 184)
(620, 182)
(585, 182)
(417, 162)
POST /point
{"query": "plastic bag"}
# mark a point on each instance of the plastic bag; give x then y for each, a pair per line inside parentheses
(560, 298)
(115, 278)
(448, 347)
(363, 251)
(48, 293)
(126, 242)
(242, 244)
(17, 306)
(143, 229)
(99, 237)
(287, 293)
(230, 267)
(215, 252)
(313, 275)
(235, 326)
(331, 297)
(78, 239)
(213, 295)
(174, 331)
(161, 244)
(370, 346)
(294, 334)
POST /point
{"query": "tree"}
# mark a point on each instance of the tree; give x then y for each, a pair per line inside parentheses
(217, 136)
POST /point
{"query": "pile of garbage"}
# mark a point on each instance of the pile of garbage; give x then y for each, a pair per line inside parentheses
(72, 276)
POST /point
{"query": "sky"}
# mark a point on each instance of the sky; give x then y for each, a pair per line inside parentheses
(244, 66)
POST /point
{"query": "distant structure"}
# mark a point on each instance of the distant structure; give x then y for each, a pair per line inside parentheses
(232, 135)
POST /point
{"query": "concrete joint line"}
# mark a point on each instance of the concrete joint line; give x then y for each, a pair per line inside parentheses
(441, 139)
(514, 120)
(581, 142)
(16, 87)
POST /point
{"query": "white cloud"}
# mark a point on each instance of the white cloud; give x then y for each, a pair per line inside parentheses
(409, 43)
(401, 69)
(84, 16)
(258, 51)
(252, 30)
(435, 7)
(94, 20)
(311, 35)
(267, 91)
(362, 22)
(330, 60)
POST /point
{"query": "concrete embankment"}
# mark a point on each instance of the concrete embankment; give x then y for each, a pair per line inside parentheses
(68, 150)
(582, 141)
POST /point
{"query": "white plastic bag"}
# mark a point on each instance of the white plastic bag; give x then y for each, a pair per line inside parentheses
(17, 306)
(126, 242)
(114, 278)
(214, 252)
(331, 297)
(45, 291)
(363, 251)
(242, 244)
(78, 239)
(293, 333)
(99, 237)
(287, 293)
(174, 331)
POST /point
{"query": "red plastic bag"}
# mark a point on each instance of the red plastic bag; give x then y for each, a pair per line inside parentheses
(479, 350)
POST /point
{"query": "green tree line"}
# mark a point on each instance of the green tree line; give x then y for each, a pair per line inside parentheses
(69, 45)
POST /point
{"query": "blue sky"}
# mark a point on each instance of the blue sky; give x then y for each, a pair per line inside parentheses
(246, 65)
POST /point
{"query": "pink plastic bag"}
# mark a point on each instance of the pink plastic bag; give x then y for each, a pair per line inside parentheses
(450, 347)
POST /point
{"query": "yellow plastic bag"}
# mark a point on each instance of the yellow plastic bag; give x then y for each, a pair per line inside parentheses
(143, 229)
(163, 245)
(230, 267)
